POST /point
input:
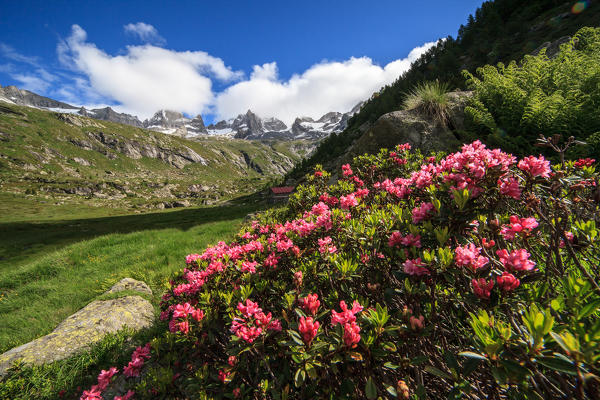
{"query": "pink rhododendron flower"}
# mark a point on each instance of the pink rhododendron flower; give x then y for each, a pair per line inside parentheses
(403, 147)
(197, 314)
(92, 394)
(190, 258)
(283, 245)
(535, 166)
(469, 256)
(510, 187)
(134, 368)
(249, 266)
(224, 376)
(346, 170)
(417, 324)
(308, 329)
(331, 200)
(411, 240)
(346, 202)
(422, 212)
(237, 392)
(346, 315)
(249, 309)
(298, 278)
(182, 310)
(488, 244)
(518, 225)
(517, 260)
(507, 282)
(320, 208)
(232, 360)
(241, 330)
(351, 334)
(318, 174)
(569, 236)
(310, 304)
(584, 162)
(324, 246)
(127, 396)
(271, 261)
(395, 239)
(362, 193)
(142, 352)
(482, 288)
(415, 267)
(105, 376)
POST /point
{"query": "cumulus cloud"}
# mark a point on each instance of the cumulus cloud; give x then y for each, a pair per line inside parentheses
(145, 32)
(146, 78)
(324, 87)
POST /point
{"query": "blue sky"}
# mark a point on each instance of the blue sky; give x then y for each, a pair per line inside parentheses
(218, 58)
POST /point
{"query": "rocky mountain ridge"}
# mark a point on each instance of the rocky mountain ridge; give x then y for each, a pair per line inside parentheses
(251, 126)
(247, 126)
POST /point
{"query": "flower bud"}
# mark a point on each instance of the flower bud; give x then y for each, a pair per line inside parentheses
(402, 389)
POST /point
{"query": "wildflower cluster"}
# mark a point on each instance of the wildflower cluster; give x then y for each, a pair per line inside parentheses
(470, 273)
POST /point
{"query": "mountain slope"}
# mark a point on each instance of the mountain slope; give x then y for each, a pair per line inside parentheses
(499, 31)
(61, 157)
(245, 126)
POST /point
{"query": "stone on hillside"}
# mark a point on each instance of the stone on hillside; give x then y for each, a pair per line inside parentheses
(408, 126)
(130, 284)
(82, 329)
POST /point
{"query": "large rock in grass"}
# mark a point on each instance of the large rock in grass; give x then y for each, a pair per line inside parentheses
(409, 126)
(86, 327)
(130, 284)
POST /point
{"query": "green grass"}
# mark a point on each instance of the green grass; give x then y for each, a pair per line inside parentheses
(51, 269)
(429, 99)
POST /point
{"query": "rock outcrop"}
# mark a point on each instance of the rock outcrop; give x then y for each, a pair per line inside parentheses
(408, 126)
(130, 284)
(13, 94)
(178, 157)
(86, 327)
(108, 114)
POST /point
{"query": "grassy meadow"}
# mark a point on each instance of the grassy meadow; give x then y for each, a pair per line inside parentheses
(50, 269)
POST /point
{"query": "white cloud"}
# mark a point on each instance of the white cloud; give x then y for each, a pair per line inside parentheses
(8, 52)
(145, 32)
(146, 78)
(324, 87)
(31, 82)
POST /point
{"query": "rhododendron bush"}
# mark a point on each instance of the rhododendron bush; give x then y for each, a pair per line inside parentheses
(472, 274)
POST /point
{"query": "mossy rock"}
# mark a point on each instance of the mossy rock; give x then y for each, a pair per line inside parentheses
(130, 284)
(82, 329)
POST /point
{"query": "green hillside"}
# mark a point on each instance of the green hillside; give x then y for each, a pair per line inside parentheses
(498, 31)
(54, 163)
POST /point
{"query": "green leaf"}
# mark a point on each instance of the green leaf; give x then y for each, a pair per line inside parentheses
(451, 361)
(312, 371)
(390, 365)
(557, 364)
(371, 389)
(299, 377)
(438, 373)
(391, 390)
(566, 340)
(356, 356)
(389, 346)
(470, 354)
(418, 360)
(589, 308)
